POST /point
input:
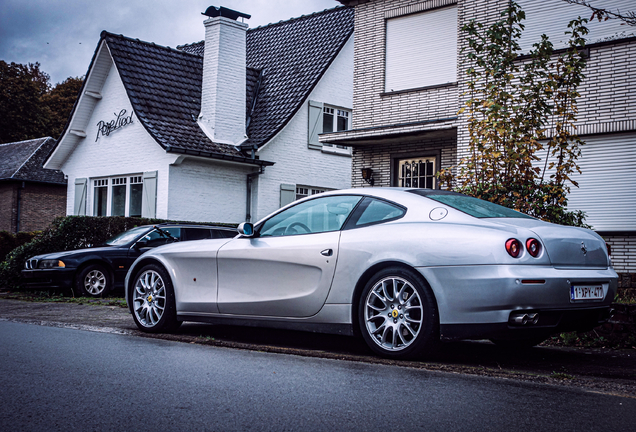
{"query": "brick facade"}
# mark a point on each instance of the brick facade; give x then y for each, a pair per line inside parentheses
(386, 125)
(39, 205)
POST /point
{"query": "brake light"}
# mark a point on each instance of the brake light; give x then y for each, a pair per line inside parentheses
(513, 247)
(533, 246)
(609, 249)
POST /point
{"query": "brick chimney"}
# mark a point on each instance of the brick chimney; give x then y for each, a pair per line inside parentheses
(222, 116)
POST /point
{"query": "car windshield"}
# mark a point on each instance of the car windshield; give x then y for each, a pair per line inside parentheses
(473, 206)
(126, 237)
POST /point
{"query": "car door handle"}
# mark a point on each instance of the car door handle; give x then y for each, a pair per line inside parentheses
(327, 252)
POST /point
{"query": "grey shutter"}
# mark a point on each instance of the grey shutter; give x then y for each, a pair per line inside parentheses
(551, 17)
(421, 49)
(315, 125)
(287, 194)
(79, 206)
(149, 196)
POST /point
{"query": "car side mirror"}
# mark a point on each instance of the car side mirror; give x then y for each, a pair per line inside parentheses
(246, 229)
(141, 244)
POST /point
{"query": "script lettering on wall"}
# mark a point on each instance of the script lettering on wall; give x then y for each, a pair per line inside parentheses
(105, 128)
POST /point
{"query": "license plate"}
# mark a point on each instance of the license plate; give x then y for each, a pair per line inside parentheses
(586, 292)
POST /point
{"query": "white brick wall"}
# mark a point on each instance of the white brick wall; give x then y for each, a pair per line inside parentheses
(623, 252)
(295, 162)
(207, 191)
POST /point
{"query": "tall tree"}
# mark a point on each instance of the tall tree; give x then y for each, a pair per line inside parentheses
(521, 114)
(22, 115)
(29, 106)
(59, 101)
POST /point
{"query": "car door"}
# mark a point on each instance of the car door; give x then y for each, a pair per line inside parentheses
(287, 268)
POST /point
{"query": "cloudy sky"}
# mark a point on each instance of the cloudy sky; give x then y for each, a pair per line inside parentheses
(62, 34)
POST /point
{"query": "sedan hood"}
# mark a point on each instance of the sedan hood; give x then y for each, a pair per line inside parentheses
(73, 253)
(567, 246)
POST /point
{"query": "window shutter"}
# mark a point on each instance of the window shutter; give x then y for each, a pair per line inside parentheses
(287, 194)
(421, 49)
(79, 206)
(149, 197)
(315, 124)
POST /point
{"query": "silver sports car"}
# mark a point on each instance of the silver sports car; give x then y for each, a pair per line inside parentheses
(404, 268)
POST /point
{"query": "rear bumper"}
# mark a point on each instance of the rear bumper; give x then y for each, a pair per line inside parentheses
(54, 278)
(549, 322)
(479, 301)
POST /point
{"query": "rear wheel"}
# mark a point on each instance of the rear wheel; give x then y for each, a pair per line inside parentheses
(93, 281)
(398, 315)
(154, 309)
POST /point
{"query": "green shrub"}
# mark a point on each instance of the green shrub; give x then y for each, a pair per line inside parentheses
(10, 241)
(68, 233)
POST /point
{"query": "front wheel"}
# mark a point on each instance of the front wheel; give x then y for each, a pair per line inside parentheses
(398, 314)
(93, 281)
(154, 309)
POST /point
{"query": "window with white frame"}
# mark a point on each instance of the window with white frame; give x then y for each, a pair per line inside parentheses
(324, 118)
(421, 49)
(118, 196)
(417, 172)
(305, 191)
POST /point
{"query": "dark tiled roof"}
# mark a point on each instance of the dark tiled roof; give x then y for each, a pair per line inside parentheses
(23, 161)
(293, 55)
(164, 87)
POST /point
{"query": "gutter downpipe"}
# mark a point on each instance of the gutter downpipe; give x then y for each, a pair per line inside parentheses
(19, 208)
(248, 202)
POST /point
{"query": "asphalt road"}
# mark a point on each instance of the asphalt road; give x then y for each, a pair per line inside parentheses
(598, 370)
(66, 379)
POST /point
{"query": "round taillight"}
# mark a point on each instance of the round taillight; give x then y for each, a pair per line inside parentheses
(513, 247)
(533, 246)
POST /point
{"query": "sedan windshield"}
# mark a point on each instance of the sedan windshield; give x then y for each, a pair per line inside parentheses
(126, 237)
(473, 206)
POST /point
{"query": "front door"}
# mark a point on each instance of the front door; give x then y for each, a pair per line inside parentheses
(287, 268)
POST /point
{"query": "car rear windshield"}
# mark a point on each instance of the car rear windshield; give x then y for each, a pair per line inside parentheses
(473, 206)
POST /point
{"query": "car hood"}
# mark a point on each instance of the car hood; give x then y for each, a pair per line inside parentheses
(566, 246)
(73, 253)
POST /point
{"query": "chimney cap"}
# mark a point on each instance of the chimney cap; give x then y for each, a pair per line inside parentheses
(214, 11)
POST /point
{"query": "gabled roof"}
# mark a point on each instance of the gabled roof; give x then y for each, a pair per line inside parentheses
(164, 87)
(23, 160)
(293, 55)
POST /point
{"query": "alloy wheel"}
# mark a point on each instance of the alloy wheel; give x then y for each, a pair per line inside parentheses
(393, 313)
(149, 298)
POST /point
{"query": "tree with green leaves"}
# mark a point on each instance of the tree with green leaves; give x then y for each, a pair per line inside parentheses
(29, 106)
(521, 112)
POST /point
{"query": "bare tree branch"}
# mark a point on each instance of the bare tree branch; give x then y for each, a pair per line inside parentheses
(602, 14)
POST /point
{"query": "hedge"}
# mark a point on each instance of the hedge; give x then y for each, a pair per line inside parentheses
(10, 241)
(70, 233)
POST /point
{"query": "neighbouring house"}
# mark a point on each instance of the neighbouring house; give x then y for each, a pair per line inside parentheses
(408, 85)
(223, 130)
(30, 196)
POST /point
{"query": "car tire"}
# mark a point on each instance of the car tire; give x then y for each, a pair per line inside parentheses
(93, 281)
(397, 314)
(152, 294)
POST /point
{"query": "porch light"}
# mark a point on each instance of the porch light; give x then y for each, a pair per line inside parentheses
(367, 175)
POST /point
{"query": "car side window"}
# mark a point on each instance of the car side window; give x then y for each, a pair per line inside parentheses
(196, 233)
(219, 233)
(310, 217)
(154, 238)
(374, 211)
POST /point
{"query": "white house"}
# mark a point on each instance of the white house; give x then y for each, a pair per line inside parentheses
(223, 130)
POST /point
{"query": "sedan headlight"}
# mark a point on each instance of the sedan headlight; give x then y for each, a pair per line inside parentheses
(50, 264)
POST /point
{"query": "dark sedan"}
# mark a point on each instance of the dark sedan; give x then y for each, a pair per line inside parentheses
(95, 271)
